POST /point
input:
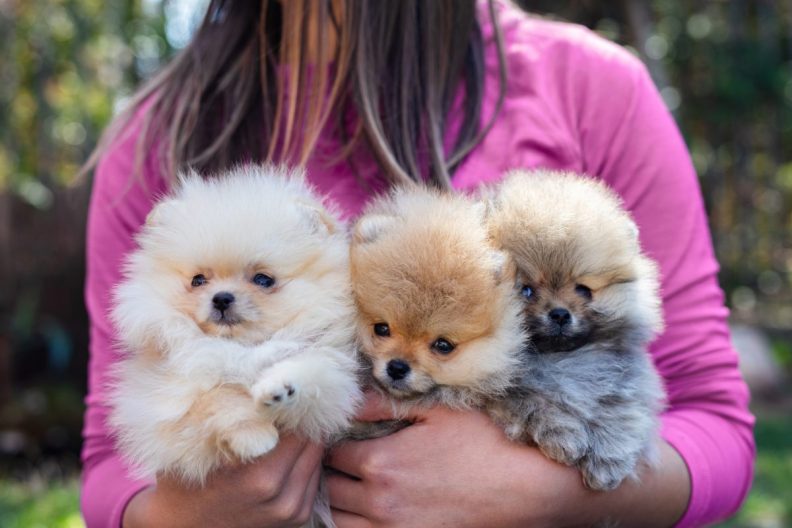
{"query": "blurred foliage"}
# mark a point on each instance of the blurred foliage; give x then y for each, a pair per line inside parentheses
(36, 504)
(782, 352)
(65, 66)
(769, 503)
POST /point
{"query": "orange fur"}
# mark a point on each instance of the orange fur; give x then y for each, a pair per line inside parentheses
(422, 263)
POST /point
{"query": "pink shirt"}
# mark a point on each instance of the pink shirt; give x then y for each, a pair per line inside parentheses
(573, 101)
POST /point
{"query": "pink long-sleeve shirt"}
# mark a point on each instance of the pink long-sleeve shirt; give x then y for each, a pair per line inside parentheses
(573, 101)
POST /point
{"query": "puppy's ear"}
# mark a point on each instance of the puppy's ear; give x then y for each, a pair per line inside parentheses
(486, 201)
(372, 226)
(317, 218)
(157, 214)
(487, 206)
(633, 229)
(482, 208)
(503, 267)
(154, 215)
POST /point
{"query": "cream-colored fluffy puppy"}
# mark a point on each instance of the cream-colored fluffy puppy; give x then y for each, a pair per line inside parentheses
(587, 394)
(237, 321)
(437, 319)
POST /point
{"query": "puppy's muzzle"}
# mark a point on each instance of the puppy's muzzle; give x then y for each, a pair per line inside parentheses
(223, 300)
(397, 369)
(560, 316)
(223, 303)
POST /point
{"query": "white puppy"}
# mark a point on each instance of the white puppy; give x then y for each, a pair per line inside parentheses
(237, 321)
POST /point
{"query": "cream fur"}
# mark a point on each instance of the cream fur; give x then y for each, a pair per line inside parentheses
(192, 393)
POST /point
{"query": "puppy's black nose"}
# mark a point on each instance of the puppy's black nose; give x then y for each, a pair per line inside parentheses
(560, 316)
(222, 300)
(397, 369)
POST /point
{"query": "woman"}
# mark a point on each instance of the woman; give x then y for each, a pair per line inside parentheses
(367, 94)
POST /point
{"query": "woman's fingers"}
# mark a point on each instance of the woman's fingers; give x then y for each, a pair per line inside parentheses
(375, 408)
(347, 494)
(308, 461)
(270, 473)
(350, 520)
(352, 458)
(300, 482)
(309, 496)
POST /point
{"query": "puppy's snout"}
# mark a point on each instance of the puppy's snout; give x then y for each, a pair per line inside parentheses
(397, 369)
(561, 316)
(223, 300)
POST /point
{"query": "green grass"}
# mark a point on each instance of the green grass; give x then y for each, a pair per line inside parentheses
(40, 504)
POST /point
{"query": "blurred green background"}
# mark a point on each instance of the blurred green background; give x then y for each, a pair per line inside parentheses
(724, 69)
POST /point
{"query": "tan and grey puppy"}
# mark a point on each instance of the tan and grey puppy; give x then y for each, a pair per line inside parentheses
(437, 318)
(588, 394)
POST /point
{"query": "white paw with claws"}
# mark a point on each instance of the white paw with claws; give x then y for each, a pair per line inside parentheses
(274, 392)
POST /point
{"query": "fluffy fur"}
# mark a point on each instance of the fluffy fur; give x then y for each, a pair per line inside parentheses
(588, 394)
(206, 380)
(438, 322)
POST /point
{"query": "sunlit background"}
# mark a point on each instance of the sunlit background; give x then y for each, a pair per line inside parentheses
(724, 69)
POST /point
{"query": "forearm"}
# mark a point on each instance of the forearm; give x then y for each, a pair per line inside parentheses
(658, 499)
(106, 489)
(140, 510)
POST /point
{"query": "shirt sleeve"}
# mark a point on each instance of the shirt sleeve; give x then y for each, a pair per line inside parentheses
(630, 140)
(120, 201)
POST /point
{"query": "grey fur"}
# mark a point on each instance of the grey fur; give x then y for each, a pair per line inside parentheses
(590, 398)
(594, 408)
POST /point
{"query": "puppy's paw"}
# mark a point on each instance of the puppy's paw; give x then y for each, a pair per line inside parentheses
(515, 432)
(274, 391)
(252, 442)
(604, 475)
(562, 445)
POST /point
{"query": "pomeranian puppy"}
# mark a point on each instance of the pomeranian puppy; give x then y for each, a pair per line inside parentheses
(588, 394)
(438, 321)
(237, 321)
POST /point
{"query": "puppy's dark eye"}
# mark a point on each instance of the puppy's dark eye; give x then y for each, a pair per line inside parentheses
(198, 280)
(442, 346)
(583, 291)
(527, 291)
(382, 329)
(265, 281)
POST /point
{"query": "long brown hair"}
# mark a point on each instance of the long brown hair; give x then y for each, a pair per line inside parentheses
(245, 89)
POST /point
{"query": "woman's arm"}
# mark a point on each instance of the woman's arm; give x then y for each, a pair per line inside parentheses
(630, 140)
(119, 205)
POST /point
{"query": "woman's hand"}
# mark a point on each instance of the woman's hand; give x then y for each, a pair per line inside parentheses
(277, 489)
(450, 468)
(454, 468)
